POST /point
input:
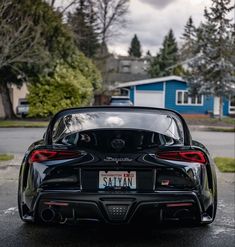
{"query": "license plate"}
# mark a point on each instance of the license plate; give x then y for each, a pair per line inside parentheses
(117, 179)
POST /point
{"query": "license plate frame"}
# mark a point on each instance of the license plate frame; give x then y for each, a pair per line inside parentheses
(117, 180)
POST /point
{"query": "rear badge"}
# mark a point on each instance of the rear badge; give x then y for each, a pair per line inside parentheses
(108, 158)
(118, 144)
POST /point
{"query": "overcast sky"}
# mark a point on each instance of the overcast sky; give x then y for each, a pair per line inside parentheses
(152, 19)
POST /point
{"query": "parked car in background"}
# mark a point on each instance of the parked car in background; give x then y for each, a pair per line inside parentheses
(23, 108)
(120, 101)
(117, 165)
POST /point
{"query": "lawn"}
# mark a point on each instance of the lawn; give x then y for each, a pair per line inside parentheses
(226, 122)
(6, 157)
(22, 123)
(225, 164)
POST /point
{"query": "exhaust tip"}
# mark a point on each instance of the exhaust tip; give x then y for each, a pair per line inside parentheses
(183, 214)
(48, 215)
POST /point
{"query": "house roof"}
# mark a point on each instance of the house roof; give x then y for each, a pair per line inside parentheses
(149, 81)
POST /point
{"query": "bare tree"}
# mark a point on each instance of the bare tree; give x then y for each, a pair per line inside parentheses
(62, 5)
(19, 44)
(110, 15)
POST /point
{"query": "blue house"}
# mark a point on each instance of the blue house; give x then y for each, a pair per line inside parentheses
(172, 92)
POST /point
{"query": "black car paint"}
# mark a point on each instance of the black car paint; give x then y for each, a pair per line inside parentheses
(34, 185)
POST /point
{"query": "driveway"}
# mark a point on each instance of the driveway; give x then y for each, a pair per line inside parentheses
(14, 233)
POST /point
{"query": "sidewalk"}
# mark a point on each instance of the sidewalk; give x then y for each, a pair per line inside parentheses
(14, 162)
(227, 177)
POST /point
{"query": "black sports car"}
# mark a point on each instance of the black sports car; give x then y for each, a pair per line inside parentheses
(117, 165)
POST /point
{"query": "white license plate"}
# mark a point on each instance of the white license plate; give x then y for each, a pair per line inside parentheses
(117, 179)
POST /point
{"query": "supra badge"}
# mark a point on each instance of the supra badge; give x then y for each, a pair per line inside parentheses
(117, 159)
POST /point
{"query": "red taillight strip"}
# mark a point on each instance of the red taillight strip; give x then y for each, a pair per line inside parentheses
(182, 204)
(186, 156)
(41, 155)
(63, 204)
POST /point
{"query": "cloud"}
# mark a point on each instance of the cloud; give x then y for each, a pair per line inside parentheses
(151, 23)
(159, 4)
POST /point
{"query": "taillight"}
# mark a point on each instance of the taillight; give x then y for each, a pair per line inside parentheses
(186, 156)
(45, 155)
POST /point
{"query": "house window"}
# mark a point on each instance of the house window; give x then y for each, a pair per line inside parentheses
(183, 98)
(232, 105)
(126, 69)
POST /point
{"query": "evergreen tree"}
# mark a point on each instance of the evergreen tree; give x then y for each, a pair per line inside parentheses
(37, 41)
(135, 48)
(213, 70)
(189, 40)
(148, 53)
(83, 25)
(165, 62)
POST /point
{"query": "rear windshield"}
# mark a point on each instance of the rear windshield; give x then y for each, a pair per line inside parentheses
(162, 122)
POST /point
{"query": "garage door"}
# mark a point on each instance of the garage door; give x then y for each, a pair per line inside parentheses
(149, 98)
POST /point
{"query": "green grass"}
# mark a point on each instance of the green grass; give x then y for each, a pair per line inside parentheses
(221, 129)
(22, 123)
(226, 121)
(229, 120)
(6, 157)
(225, 164)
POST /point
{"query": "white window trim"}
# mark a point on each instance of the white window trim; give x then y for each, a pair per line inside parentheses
(164, 94)
(189, 100)
(128, 92)
(231, 109)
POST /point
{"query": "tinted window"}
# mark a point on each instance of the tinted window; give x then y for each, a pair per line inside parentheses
(163, 122)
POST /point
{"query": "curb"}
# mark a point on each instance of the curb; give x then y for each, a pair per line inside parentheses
(16, 162)
(227, 177)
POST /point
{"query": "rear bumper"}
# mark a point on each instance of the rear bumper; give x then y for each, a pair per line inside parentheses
(117, 208)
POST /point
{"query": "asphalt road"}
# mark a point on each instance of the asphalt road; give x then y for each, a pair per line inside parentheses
(17, 140)
(15, 233)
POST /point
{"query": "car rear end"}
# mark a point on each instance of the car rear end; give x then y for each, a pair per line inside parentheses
(23, 108)
(120, 101)
(118, 166)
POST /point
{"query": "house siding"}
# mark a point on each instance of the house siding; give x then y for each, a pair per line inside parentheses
(170, 97)
(152, 87)
(132, 94)
(225, 107)
(170, 100)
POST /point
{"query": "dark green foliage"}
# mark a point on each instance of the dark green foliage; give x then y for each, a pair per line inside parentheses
(214, 48)
(135, 48)
(165, 62)
(49, 60)
(211, 71)
(84, 26)
(148, 53)
(71, 85)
